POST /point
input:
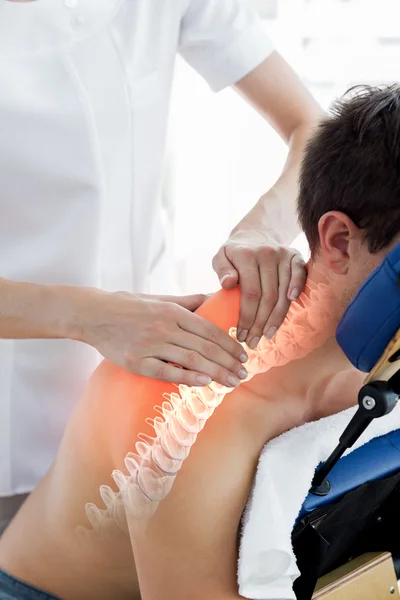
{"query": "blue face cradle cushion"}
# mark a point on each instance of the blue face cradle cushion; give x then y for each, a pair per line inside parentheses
(373, 317)
(369, 324)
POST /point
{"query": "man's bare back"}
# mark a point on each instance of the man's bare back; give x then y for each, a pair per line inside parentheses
(191, 542)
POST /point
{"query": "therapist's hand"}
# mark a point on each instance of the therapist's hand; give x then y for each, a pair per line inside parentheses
(270, 277)
(149, 335)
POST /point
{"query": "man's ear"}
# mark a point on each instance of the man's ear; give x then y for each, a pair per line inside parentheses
(339, 237)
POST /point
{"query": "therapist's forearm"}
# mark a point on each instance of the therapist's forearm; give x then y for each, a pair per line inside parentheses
(34, 311)
(276, 92)
(275, 212)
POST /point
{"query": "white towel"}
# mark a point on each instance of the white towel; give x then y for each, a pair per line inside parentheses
(267, 565)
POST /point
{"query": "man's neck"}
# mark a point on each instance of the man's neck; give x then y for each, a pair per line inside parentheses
(328, 297)
(309, 323)
(305, 351)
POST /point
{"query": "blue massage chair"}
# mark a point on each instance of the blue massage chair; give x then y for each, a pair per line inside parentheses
(353, 506)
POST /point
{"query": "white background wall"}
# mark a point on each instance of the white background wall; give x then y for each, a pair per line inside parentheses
(223, 156)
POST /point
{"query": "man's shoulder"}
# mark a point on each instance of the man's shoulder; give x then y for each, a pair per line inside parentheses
(338, 392)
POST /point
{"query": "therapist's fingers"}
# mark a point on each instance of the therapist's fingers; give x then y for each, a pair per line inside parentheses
(227, 274)
(155, 368)
(164, 371)
(251, 292)
(197, 368)
(278, 314)
(281, 283)
(298, 276)
(210, 336)
(206, 356)
(270, 278)
(291, 276)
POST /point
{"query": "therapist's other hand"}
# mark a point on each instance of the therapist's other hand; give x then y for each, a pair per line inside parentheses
(270, 277)
(149, 335)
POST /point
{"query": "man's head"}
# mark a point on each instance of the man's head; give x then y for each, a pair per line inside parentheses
(349, 199)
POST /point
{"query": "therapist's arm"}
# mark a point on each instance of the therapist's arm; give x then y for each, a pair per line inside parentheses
(146, 335)
(270, 274)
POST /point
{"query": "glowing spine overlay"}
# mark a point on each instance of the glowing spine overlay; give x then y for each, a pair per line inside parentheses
(183, 414)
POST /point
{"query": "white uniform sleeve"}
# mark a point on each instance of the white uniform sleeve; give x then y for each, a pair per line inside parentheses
(223, 40)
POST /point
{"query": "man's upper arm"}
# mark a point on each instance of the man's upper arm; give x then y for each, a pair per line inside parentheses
(190, 547)
(223, 40)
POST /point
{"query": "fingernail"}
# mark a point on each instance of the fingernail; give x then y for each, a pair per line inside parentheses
(203, 380)
(225, 277)
(243, 357)
(294, 295)
(253, 342)
(242, 373)
(271, 332)
(233, 381)
(242, 335)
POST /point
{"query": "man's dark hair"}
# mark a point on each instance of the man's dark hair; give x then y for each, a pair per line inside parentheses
(352, 164)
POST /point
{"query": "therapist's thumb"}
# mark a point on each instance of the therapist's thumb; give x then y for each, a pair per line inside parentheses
(227, 274)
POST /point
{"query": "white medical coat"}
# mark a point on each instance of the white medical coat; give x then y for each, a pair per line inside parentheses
(84, 94)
